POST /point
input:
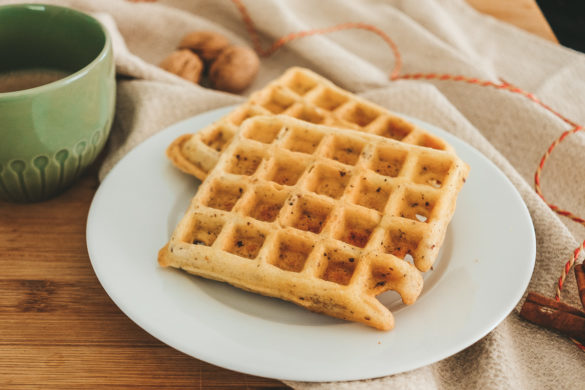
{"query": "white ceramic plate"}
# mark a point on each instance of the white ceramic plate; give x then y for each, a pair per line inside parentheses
(481, 273)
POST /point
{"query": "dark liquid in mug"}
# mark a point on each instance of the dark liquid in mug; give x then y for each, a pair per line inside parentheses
(29, 78)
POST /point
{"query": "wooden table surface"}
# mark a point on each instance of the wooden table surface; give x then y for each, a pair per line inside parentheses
(58, 327)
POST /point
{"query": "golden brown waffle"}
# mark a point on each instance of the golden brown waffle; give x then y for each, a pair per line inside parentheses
(322, 217)
(304, 95)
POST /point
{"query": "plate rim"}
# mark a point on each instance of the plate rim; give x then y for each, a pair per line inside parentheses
(209, 117)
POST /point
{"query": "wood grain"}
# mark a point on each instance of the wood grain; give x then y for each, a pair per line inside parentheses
(58, 327)
(524, 14)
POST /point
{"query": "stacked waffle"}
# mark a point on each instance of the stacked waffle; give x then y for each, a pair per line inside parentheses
(317, 197)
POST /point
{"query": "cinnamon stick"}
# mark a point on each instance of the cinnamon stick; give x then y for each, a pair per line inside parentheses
(548, 302)
(551, 314)
(580, 276)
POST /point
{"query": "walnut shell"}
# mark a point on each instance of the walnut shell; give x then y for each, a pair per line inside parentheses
(185, 64)
(206, 44)
(234, 69)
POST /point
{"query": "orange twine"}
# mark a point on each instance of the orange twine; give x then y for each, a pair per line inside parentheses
(395, 75)
(255, 37)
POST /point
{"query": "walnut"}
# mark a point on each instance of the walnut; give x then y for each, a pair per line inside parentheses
(185, 64)
(206, 44)
(234, 69)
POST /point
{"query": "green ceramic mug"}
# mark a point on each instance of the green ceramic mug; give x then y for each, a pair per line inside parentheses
(50, 133)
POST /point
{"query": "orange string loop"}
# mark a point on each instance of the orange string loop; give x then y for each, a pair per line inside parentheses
(255, 37)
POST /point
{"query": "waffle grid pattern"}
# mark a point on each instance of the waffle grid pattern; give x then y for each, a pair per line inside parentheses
(304, 95)
(319, 216)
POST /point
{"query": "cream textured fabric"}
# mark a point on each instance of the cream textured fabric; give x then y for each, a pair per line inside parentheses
(433, 36)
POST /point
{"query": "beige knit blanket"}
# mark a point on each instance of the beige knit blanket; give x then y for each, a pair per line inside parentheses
(433, 36)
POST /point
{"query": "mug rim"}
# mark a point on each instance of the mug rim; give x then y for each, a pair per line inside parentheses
(74, 76)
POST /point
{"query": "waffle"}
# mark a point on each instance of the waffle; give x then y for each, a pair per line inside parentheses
(304, 95)
(319, 216)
